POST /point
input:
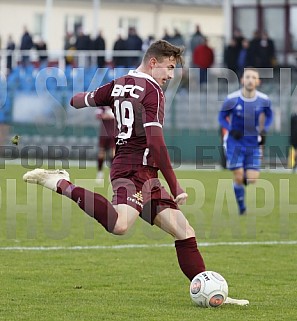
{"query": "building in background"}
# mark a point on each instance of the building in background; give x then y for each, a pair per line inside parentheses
(277, 17)
(53, 19)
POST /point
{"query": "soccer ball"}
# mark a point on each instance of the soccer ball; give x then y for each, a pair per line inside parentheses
(208, 289)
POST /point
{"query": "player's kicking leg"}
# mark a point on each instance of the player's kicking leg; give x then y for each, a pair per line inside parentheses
(116, 219)
(46, 178)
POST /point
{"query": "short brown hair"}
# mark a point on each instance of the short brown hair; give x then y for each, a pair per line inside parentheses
(163, 49)
(251, 68)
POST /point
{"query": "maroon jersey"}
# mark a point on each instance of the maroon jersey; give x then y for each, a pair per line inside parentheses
(137, 102)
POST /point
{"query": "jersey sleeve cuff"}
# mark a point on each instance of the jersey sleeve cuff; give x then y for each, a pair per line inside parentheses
(152, 124)
(86, 100)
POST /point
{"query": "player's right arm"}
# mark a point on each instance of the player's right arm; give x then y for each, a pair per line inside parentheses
(82, 99)
(224, 115)
(224, 118)
(99, 97)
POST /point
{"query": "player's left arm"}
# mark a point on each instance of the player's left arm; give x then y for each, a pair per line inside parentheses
(268, 117)
(158, 149)
(265, 121)
(153, 117)
(265, 118)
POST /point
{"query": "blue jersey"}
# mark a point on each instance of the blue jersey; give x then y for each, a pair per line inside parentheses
(243, 114)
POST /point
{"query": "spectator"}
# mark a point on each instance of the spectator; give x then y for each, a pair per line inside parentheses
(196, 39)
(41, 48)
(254, 49)
(177, 39)
(266, 51)
(244, 57)
(99, 44)
(230, 55)
(203, 58)
(26, 44)
(133, 42)
(10, 47)
(69, 45)
(238, 37)
(166, 36)
(83, 43)
(150, 39)
(119, 45)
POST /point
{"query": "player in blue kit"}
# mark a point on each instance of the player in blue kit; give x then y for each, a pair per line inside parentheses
(246, 114)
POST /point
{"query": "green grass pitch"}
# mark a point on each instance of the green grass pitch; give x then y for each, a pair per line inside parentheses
(58, 264)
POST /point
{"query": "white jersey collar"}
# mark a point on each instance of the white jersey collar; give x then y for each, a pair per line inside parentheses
(139, 74)
(248, 99)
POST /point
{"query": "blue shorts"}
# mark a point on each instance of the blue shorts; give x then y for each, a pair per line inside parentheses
(239, 155)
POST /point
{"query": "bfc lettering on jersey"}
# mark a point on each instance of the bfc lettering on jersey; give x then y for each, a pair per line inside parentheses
(119, 90)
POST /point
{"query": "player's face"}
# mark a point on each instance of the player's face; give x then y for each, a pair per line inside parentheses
(164, 70)
(250, 80)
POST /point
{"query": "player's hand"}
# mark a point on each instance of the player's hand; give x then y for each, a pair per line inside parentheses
(181, 198)
(262, 138)
(236, 134)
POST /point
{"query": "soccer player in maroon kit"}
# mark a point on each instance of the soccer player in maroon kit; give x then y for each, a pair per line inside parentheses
(137, 101)
(106, 141)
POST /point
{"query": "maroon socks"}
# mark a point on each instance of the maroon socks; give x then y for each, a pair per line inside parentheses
(189, 257)
(95, 205)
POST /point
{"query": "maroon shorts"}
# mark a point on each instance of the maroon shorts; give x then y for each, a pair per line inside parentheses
(139, 187)
(106, 142)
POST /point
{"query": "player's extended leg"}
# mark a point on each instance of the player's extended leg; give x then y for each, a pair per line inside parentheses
(116, 220)
(238, 185)
(174, 222)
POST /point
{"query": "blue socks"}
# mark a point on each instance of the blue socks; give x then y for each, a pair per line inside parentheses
(239, 195)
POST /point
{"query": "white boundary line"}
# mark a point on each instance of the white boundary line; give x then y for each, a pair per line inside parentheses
(135, 246)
